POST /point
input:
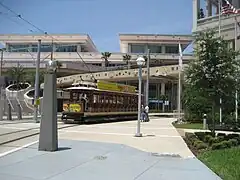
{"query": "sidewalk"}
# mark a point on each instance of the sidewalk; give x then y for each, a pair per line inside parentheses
(159, 136)
(98, 161)
(109, 151)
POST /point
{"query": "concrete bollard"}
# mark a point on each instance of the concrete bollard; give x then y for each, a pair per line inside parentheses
(205, 121)
(19, 112)
(9, 115)
(1, 109)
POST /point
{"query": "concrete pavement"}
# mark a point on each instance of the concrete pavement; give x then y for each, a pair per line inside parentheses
(159, 136)
(107, 151)
(98, 161)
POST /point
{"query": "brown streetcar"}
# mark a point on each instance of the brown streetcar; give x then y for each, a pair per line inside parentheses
(93, 104)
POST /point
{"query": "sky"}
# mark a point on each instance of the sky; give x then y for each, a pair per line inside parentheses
(103, 20)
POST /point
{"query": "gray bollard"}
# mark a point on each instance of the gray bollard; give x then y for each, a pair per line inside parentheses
(1, 109)
(19, 112)
(9, 115)
(205, 121)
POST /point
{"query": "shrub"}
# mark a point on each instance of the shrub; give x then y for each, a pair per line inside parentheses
(232, 136)
(221, 138)
(216, 146)
(190, 137)
(227, 144)
(207, 138)
(195, 144)
(221, 135)
(234, 142)
(221, 145)
(200, 135)
(201, 145)
(213, 140)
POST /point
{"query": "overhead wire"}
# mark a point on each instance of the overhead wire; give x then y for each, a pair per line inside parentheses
(39, 29)
(9, 18)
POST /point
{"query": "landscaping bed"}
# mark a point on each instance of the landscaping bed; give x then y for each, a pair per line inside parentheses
(219, 152)
(188, 125)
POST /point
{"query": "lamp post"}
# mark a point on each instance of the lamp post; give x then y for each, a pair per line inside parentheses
(48, 139)
(1, 63)
(140, 63)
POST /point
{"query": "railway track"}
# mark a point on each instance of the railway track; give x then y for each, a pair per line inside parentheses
(10, 137)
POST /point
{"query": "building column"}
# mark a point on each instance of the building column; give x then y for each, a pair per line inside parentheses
(7, 47)
(30, 48)
(79, 48)
(208, 8)
(196, 8)
(158, 94)
(164, 49)
(172, 94)
(124, 47)
(163, 94)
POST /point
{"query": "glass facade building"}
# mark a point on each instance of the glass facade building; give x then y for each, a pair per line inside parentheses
(154, 48)
(44, 48)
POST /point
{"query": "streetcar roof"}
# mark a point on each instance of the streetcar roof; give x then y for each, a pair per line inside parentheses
(95, 89)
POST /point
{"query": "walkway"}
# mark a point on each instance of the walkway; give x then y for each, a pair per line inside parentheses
(109, 151)
(159, 136)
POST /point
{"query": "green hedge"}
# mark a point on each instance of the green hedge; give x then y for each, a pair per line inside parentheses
(222, 145)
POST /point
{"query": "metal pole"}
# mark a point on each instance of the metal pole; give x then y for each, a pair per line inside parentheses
(220, 111)
(205, 121)
(1, 62)
(147, 81)
(219, 18)
(36, 95)
(179, 94)
(9, 115)
(138, 134)
(219, 33)
(236, 93)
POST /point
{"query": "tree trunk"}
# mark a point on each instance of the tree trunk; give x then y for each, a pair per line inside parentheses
(128, 65)
(213, 119)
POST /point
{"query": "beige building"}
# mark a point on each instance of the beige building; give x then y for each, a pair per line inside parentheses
(211, 19)
(81, 59)
(163, 66)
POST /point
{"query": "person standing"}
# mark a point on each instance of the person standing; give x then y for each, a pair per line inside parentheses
(146, 113)
(143, 116)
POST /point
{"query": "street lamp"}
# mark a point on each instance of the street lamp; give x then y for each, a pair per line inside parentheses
(51, 66)
(1, 63)
(140, 63)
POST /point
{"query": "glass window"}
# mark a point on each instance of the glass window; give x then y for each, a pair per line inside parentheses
(231, 44)
(66, 48)
(172, 49)
(46, 48)
(18, 47)
(137, 48)
(34, 48)
(155, 48)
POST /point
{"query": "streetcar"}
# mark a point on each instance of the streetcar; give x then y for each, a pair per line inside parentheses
(103, 102)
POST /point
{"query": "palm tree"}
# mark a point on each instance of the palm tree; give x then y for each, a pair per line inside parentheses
(59, 64)
(18, 74)
(105, 57)
(127, 58)
(30, 77)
